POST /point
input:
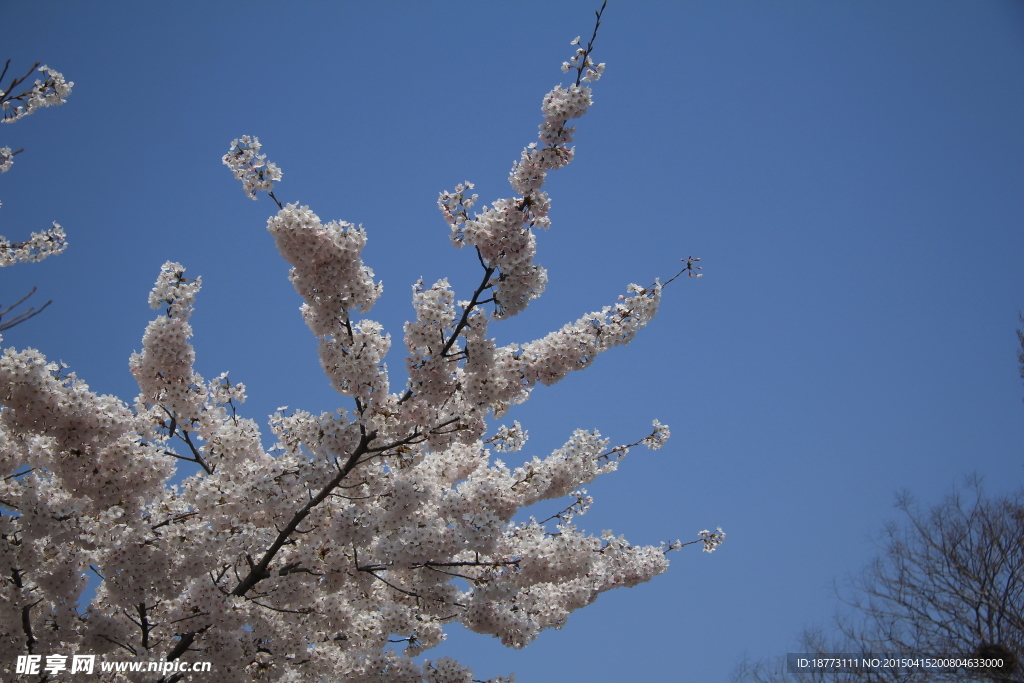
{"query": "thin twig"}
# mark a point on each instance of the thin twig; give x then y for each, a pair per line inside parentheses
(24, 315)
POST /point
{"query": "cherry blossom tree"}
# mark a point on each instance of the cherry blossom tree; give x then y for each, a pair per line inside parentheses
(343, 550)
(51, 91)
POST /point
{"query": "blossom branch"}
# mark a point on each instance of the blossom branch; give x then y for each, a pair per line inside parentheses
(582, 59)
(690, 269)
(577, 507)
(428, 506)
(185, 642)
(48, 93)
(7, 158)
(7, 96)
(41, 245)
(710, 539)
(123, 646)
(258, 572)
(174, 520)
(412, 594)
(467, 310)
(19, 474)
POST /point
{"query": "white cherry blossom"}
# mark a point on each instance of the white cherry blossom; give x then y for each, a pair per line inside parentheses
(6, 159)
(49, 92)
(39, 246)
(52, 91)
(344, 550)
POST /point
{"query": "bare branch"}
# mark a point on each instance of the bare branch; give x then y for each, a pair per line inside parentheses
(24, 315)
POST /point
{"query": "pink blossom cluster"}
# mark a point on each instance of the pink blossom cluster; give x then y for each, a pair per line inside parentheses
(50, 92)
(343, 550)
(40, 245)
(711, 539)
(502, 233)
(6, 159)
(251, 167)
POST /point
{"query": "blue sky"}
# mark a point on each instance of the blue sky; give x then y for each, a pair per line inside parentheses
(849, 172)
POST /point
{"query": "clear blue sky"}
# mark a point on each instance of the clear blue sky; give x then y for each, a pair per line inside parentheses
(849, 172)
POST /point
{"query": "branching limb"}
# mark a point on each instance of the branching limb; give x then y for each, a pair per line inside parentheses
(584, 57)
(411, 594)
(197, 457)
(7, 96)
(24, 315)
(174, 520)
(258, 571)
(184, 644)
(474, 303)
(19, 474)
(689, 269)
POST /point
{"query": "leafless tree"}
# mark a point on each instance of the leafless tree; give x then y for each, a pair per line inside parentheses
(949, 584)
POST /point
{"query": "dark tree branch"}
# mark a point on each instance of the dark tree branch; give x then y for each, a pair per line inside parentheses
(24, 315)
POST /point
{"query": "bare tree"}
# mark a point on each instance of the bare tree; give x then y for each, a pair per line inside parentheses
(949, 585)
